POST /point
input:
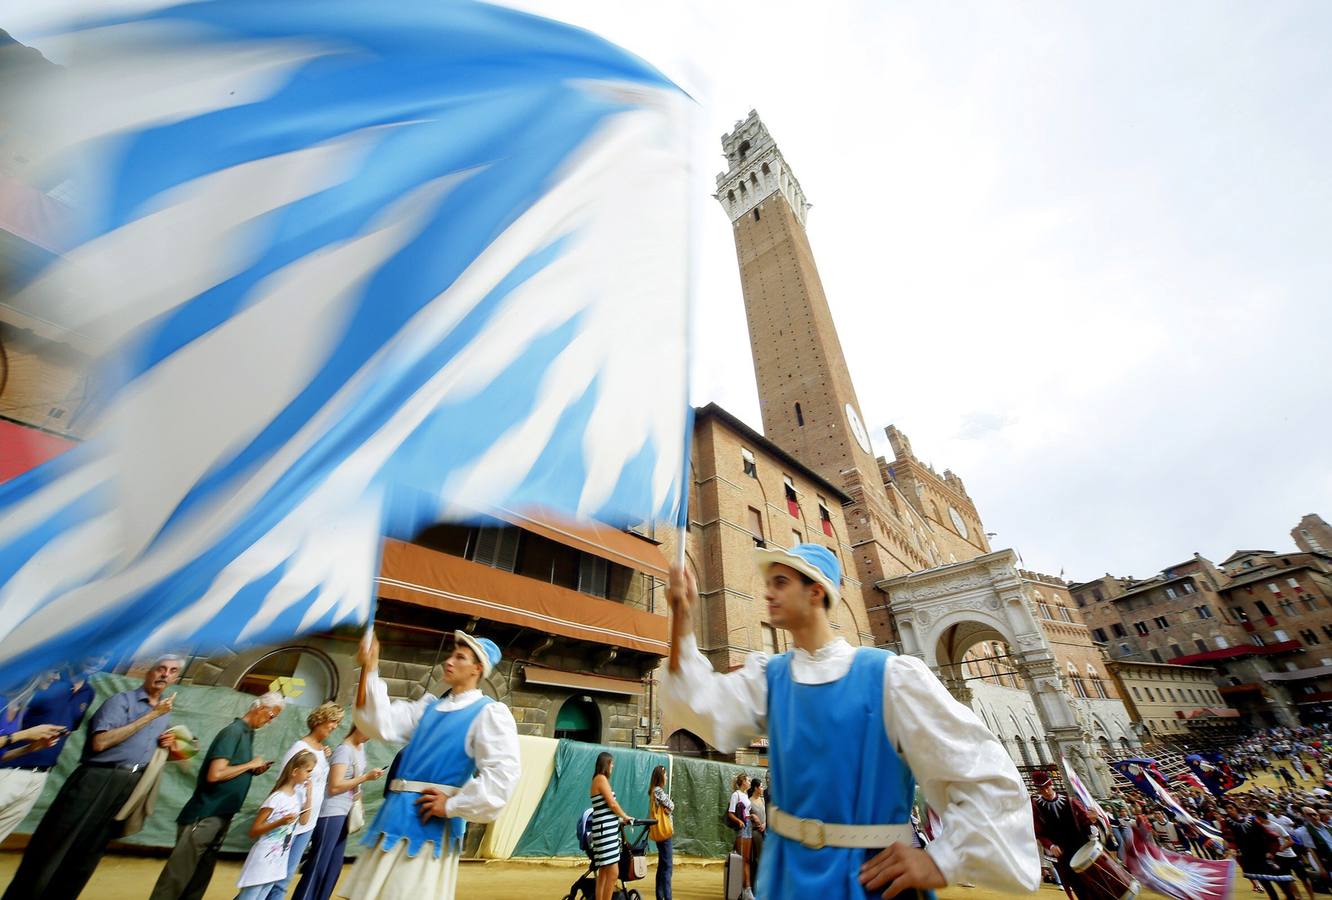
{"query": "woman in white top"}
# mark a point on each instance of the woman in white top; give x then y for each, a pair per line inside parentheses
(737, 812)
(347, 772)
(322, 721)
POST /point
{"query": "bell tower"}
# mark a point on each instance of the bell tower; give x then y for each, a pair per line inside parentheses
(808, 402)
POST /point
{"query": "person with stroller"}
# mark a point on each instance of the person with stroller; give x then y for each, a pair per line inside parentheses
(851, 730)
(604, 827)
(662, 809)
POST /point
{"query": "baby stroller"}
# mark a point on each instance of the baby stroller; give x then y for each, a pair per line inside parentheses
(633, 860)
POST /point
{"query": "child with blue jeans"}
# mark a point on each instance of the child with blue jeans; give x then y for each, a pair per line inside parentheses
(273, 828)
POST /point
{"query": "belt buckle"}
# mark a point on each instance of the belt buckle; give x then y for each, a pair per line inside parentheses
(812, 834)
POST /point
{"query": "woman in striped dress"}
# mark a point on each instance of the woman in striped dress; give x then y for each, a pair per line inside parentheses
(604, 828)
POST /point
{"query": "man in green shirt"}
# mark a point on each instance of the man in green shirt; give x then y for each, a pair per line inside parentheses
(224, 780)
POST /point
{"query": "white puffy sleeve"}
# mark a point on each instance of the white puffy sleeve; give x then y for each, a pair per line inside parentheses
(388, 720)
(492, 740)
(726, 710)
(968, 779)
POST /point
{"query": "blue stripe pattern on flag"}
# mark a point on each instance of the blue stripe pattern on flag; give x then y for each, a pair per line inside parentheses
(354, 268)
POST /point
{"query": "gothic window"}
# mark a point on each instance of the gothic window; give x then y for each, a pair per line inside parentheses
(730, 196)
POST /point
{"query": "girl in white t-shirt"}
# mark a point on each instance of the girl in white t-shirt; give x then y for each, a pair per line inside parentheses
(273, 827)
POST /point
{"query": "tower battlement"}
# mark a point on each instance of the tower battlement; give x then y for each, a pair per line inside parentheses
(755, 171)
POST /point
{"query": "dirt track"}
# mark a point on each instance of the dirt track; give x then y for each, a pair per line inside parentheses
(131, 878)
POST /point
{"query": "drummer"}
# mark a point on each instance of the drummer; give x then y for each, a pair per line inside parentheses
(1063, 825)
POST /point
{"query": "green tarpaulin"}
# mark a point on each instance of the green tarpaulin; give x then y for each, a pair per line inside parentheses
(205, 710)
(551, 831)
(700, 790)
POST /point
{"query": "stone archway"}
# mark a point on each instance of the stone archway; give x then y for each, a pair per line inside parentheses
(942, 613)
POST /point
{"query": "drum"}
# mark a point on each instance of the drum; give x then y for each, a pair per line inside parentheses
(1103, 878)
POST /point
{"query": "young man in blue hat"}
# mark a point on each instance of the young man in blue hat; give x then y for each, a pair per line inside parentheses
(851, 731)
(461, 765)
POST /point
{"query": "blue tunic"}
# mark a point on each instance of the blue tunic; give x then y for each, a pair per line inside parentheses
(437, 754)
(831, 760)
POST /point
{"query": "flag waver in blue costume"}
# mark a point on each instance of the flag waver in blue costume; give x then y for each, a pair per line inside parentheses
(460, 765)
(851, 731)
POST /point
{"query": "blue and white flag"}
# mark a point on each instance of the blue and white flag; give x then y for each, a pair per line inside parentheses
(355, 267)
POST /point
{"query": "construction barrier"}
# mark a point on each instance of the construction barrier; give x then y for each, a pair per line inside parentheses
(540, 819)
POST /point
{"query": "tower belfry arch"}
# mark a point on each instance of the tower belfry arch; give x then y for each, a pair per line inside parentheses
(943, 612)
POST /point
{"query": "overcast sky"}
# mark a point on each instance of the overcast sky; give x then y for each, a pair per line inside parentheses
(1079, 253)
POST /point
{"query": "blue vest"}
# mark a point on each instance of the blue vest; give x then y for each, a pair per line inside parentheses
(435, 754)
(830, 759)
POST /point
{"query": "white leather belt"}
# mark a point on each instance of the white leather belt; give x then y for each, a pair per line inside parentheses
(404, 786)
(817, 835)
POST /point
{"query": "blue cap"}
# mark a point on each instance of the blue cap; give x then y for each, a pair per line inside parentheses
(811, 560)
(486, 650)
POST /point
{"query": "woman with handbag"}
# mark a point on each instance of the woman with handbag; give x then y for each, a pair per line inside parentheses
(341, 814)
(661, 808)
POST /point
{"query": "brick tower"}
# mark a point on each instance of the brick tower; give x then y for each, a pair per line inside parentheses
(808, 402)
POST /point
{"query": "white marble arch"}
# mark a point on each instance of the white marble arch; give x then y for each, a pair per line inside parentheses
(943, 612)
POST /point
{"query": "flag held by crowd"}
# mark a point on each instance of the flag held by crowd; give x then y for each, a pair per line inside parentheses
(1214, 772)
(1177, 875)
(353, 267)
(1079, 790)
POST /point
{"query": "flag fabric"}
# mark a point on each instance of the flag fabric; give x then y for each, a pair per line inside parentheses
(1214, 773)
(1190, 779)
(1135, 769)
(1177, 875)
(1080, 791)
(354, 268)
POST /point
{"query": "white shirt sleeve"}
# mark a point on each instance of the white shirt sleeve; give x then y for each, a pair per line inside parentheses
(388, 720)
(986, 835)
(726, 710)
(492, 740)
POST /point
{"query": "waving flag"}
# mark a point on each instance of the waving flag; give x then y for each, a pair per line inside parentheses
(1080, 791)
(1177, 875)
(1214, 772)
(356, 267)
(1136, 770)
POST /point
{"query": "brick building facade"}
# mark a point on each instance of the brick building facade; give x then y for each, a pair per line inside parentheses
(1313, 535)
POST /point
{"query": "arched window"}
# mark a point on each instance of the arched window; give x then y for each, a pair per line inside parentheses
(579, 720)
(753, 179)
(303, 675)
(766, 170)
(686, 743)
(743, 149)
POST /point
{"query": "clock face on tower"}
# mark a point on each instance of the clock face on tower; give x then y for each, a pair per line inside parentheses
(960, 525)
(857, 428)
